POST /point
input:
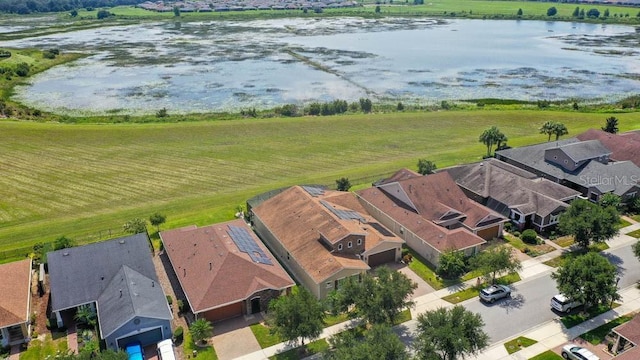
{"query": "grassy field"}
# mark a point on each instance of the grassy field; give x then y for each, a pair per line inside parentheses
(85, 181)
(518, 344)
(547, 355)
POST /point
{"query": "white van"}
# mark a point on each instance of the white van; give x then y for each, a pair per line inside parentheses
(165, 350)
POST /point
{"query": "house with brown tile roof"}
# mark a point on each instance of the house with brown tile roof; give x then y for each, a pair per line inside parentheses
(322, 236)
(623, 147)
(627, 340)
(432, 214)
(15, 301)
(224, 269)
(529, 201)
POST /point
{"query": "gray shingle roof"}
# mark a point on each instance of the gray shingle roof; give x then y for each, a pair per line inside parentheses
(585, 150)
(79, 275)
(130, 294)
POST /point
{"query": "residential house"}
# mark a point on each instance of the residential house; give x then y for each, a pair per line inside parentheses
(627, 339)
(523, 197)
(15, 301)
(624, 147)
(585, 166)
(117, 278)
(431, 213)
(224, 269)
(322, 236)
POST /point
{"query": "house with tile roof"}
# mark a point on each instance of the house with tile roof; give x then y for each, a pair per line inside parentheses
(323, 236)
(224, 269)
(15, 301)
(117, 279)
(627, 339)
(528, 200)
(585, 166)
(431, 213)
(624, 147)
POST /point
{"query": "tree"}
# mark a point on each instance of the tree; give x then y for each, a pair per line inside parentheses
(103, 14)
(552, 11)
(610, 199)
(581, 14)
(200, 330)
(378, 343)
(366, 105)
(135, 226)
(606, 13)
(589, 222)
(62, 243)
(343, 184)
(519, 12)
(377, 299)
(589, 279)
(73, 13)
(636, 249)
(559, 130)
(593, 13)
(426, 167)
(490, 137)
(495, 260)
(377, 9)
(176, 11)
(157, 219)
(547, 129)
(296, 316)
(449, 334)
(451, 264)
(576, 12)
(611, 125)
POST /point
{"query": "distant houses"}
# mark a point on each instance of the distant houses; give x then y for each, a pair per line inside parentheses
(244, 5)
(15, 302)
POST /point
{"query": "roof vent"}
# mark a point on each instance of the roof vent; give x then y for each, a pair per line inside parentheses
(66, 253)
(121, 241)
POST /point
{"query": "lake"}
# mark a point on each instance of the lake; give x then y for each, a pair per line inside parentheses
(232, 65)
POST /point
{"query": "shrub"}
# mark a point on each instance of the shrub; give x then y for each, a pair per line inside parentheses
(22, 69)
(178, 333)
(508, 226)
(530, 236)
(516, 233)
(169, 299)
(162, 113)
(180, 306)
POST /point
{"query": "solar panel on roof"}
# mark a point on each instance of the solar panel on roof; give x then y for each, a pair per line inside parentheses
(343, 214)
(246, 244)
(314, 190)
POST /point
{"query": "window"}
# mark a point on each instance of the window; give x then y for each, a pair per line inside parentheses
(339, 247)
(359, 241)
(350, 244)
(554, 218)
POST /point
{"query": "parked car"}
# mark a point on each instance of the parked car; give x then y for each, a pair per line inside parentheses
(575, 352)
(495, 292)
(165, 350)
(134, 351)
(562, 304)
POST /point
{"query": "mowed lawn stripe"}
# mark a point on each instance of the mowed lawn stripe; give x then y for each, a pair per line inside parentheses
(84, 180)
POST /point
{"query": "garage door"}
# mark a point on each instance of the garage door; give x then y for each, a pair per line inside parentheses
(146, 338)
(490, 233)
(225, 312)
(382, 258)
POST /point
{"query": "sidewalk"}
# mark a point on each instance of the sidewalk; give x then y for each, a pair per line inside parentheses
(549, 335)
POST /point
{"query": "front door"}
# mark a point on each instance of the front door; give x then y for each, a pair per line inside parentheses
(255, 305)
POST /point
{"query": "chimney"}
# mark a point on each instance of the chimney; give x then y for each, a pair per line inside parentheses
(153, 284)
(210, 266)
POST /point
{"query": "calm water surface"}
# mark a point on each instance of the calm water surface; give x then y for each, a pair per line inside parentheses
(226, 66)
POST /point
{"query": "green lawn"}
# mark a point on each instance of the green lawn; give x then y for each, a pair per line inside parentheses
(572, 320)
(38, 350)
(202, 353)
(597, 335)
(264, 337)
(405, 315)
(518, 344)
(565, 241)
(330, 320)
(560, 260)
(474, 291)
(547, 355)
(622, 223)
(312, 348)
(636, 217)
(531, 250)
(426, 271)
(635, 234)
(85, 181)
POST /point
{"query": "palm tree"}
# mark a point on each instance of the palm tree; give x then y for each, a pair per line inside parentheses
(86, 315)
(492, 136)
(559, 130)
(547, 128)
(611, 126)
(201, 329)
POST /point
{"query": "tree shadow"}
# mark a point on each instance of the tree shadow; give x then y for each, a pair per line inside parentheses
(404, 333)
(617, 261)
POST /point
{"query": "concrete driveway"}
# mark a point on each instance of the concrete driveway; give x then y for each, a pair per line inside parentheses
(422, 289)
(233, 338)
